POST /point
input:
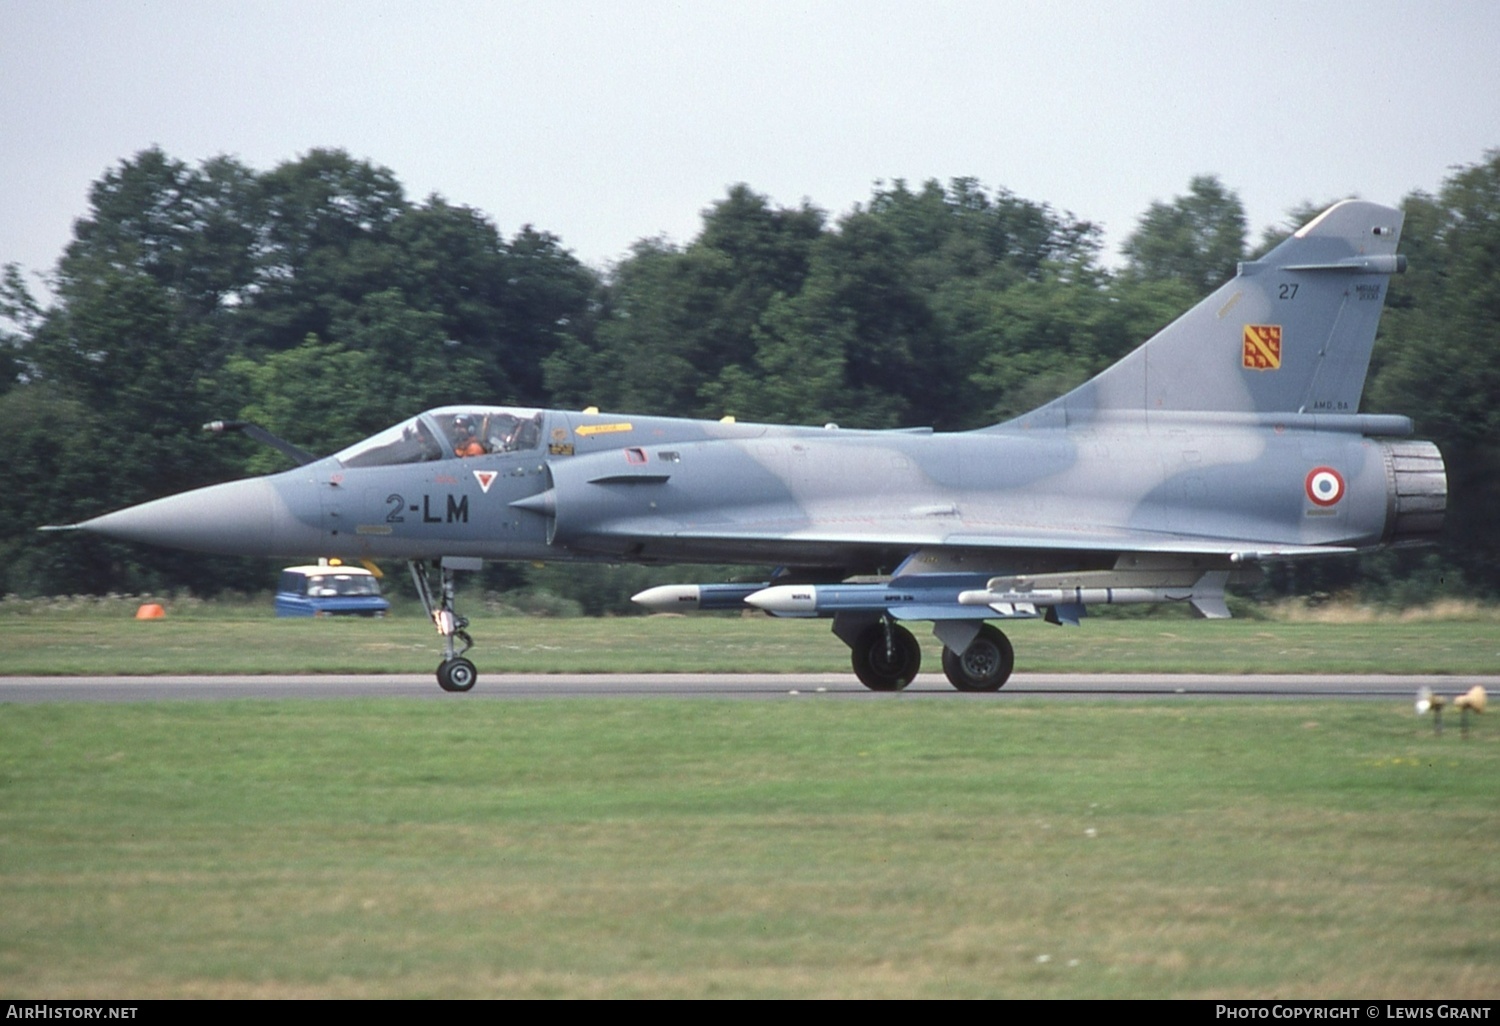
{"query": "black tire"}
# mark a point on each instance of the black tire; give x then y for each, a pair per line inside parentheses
(457, 675)
(985, 665)
(882, 669)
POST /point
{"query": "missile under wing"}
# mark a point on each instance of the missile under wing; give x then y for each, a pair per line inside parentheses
(1230, 438)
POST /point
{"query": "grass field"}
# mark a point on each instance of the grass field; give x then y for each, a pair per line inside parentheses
(209, 639)
(386, 848)
(791, 848)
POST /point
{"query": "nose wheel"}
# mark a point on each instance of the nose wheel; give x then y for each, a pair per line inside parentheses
(454, 673)
(457, 674)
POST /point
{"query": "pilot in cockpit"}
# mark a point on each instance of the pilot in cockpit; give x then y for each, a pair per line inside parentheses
(466, 440)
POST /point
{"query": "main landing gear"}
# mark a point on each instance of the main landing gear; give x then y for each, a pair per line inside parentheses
(886, 657)
(454, 673)
(985, 665)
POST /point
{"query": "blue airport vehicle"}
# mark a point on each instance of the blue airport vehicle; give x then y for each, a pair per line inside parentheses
(329, 590)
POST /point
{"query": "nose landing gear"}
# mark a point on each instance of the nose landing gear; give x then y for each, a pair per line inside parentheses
(454, 673)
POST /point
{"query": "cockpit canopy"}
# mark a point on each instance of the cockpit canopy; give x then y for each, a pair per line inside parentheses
(448, 433)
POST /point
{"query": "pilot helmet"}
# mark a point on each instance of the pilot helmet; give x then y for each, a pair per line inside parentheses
(463, 425)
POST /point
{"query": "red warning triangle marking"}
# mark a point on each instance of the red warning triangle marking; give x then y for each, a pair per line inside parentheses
(485, 479)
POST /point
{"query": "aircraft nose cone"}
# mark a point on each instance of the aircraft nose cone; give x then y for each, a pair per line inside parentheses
(240, 518)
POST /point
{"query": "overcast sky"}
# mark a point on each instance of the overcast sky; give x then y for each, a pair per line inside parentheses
(605, 122)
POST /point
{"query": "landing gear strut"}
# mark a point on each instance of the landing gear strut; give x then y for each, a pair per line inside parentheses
(454, 673)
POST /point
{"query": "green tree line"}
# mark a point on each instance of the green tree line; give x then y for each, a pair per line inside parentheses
(320, 301)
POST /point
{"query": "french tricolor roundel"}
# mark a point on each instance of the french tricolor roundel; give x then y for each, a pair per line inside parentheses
(1325, 486)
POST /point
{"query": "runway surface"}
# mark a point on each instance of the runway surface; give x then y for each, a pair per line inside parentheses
(802, 686)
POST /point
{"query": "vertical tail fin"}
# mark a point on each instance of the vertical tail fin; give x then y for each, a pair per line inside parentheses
(1291, 332)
